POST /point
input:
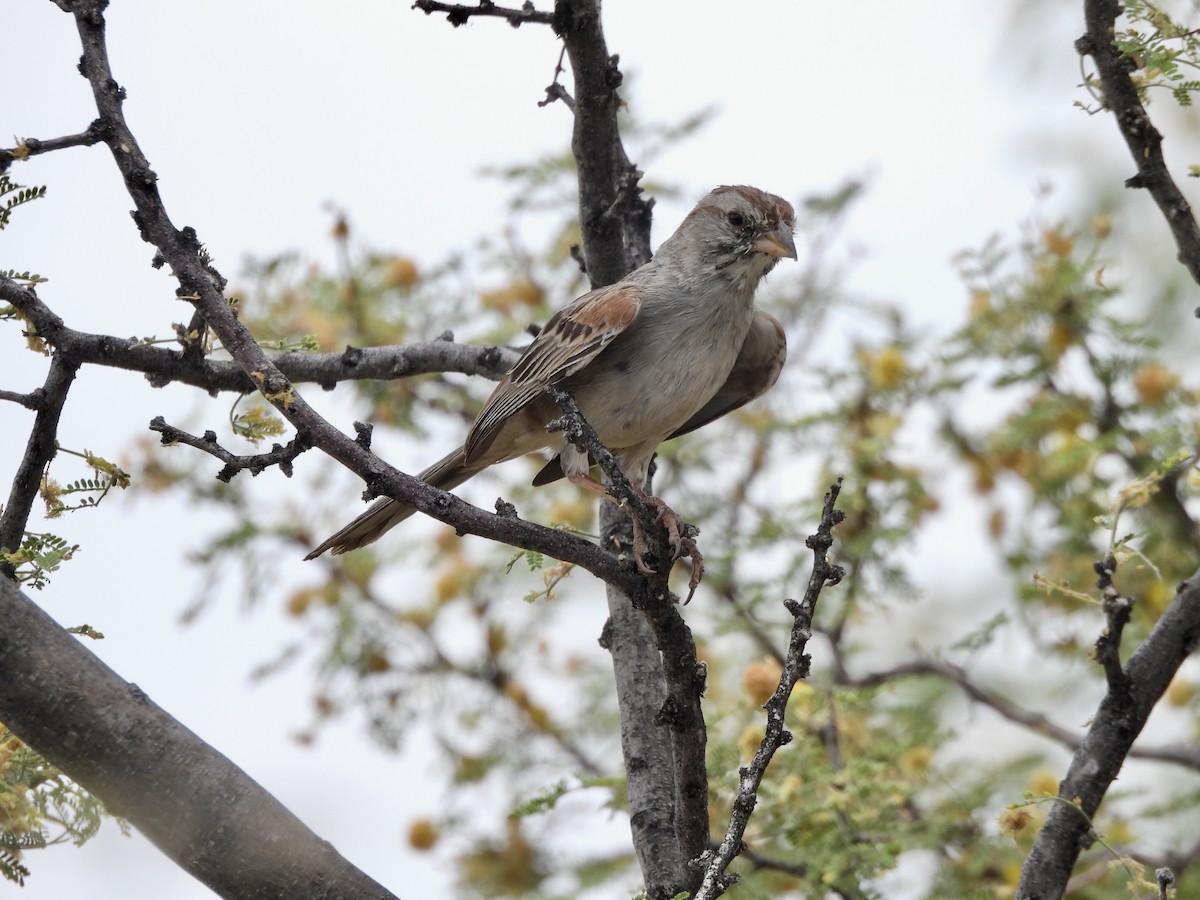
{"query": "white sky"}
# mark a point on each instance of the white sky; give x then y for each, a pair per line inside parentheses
(254, 115)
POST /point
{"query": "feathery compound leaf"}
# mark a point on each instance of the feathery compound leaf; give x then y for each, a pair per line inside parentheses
(14, 275)
(17, 194)
(11, 868)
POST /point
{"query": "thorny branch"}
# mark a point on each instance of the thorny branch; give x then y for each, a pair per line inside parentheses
(685, 676)
(1142, 138)
(795, 668)
(28, 147)
(579, 432)
(164, 365)
(1117, 610)
(615, 218)
(1134, 690)
(40, 449)
(459, 13)
(278, 455)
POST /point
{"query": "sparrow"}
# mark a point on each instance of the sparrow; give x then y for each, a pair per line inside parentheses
(674, 345)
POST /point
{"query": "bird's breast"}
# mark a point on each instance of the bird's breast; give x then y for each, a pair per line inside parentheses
(655, 376)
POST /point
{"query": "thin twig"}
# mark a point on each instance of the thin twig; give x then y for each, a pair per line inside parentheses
(28, 147)
(459, 13)
(39, 450)
(1181, 754)
(824, 572)
(277, 456)
(555, 90)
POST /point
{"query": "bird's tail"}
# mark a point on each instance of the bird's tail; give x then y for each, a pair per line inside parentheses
(386, 513)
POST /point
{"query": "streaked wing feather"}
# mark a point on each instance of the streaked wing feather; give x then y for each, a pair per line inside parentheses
(748, 380)
(572, 338)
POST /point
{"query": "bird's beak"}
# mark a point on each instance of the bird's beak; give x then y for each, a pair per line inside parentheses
(777, 243)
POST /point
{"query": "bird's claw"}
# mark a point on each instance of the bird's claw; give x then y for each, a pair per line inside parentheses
(689, 549)
(681, 537)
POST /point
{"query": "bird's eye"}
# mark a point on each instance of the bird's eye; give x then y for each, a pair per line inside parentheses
(736, 219)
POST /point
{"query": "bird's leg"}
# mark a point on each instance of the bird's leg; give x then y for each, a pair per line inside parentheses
(584, 480)
(682, 538)
(680, 535)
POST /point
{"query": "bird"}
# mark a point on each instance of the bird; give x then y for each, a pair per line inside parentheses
(674, 345)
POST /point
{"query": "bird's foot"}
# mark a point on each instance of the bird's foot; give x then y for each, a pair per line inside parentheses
(681, 538)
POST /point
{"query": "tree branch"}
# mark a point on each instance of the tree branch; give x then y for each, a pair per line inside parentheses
(614, 217)
(579, 432)
(28, 147)
(163, 365)
(1142, 138)
(1117, 610)
(193, 803)
(277, 456)
(649, 760)
(795, 668)
(1181, 755)
(1118, 721)
(684, 675)
(459, 13)
(39, 450)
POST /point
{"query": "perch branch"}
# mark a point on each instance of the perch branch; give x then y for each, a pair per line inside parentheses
(684, 674)
(579, 432)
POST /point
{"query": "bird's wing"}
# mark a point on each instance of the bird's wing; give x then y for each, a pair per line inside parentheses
(754, 373)
(572, 338)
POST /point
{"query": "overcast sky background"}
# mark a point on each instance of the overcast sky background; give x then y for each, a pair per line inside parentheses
(255, 116)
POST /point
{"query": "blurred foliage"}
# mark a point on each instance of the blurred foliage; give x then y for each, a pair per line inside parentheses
(39, 806)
